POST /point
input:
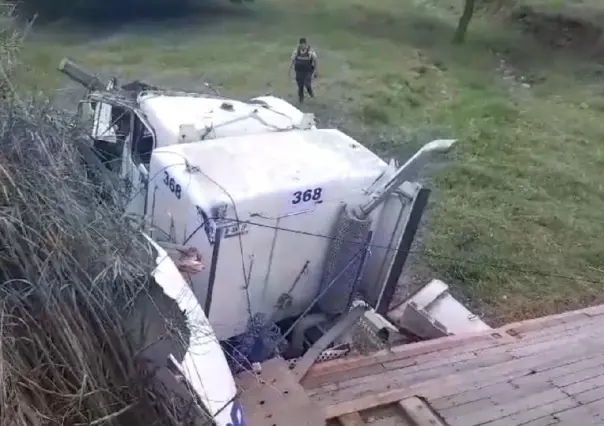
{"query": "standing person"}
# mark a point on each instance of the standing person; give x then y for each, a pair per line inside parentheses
(304, 63)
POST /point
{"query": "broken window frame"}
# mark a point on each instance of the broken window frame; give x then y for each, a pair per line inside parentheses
(136, 118)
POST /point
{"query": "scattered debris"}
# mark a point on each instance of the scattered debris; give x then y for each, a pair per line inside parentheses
(433, 312)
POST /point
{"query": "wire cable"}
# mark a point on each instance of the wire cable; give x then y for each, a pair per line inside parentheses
(508, 267)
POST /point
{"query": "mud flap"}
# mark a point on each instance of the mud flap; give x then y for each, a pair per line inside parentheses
(396, 228)
(402, 253)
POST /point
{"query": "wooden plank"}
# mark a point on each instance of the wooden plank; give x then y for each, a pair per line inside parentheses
(430, 361)
(434, 362)
(476, 343)
(559, 373)
(582, 324)
(537, 413)
(491, 338)
(503, 411)
(406, 377)
(597, 409)
(521, 392)
(416, 372)
(442, 404)
(330, 368)
(421, 364)
(594, 311)
(543, 323)
(534, 347)
(420, 413)
(389, 421)
(351, 419)
(559, 337)
(580, 416)
(580, 375)
(461, 341)
(585, 385)
(552, 320)
(370, 396)
(309, 382)
(566, 350)
(465, 363)
(385, 415)
(275, 397)
(468, 408)
(590, 396)
(508, 396)
(543, 421)
(557, 376)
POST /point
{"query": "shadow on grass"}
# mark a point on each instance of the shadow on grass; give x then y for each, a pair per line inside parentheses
(201, 14)
(111, 12)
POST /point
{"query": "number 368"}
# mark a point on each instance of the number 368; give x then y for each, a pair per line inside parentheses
(312, 194)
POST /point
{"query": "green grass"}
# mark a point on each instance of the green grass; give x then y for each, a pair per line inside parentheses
(525, 190)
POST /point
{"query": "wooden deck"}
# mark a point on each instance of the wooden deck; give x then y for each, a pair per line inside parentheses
(548, 371)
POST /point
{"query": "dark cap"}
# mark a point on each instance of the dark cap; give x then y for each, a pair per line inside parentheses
(302, 40)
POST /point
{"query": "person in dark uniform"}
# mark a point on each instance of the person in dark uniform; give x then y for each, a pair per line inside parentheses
(304, 63)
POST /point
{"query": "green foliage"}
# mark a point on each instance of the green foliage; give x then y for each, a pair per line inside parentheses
(75, 289)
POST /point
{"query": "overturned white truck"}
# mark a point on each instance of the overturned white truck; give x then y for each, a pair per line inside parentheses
(303, 230)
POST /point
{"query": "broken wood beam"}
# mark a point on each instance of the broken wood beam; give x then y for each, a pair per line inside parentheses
(419, 412)
(351, 419)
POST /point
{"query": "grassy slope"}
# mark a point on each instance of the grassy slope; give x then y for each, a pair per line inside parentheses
(526, 191)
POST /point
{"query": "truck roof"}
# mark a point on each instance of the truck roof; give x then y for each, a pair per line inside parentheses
(212, 117)
(248, 166)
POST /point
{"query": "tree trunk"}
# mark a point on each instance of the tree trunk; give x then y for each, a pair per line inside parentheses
(464, 22)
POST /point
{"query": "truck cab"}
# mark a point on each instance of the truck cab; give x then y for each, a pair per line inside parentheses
(127, 131)
(303, 231)
(297, 224)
